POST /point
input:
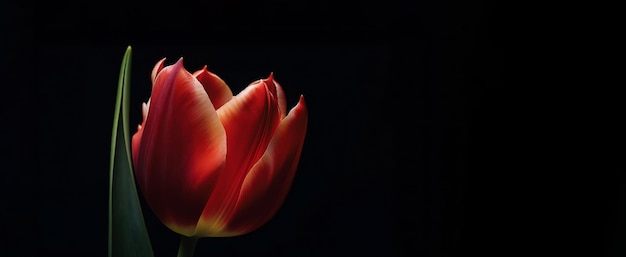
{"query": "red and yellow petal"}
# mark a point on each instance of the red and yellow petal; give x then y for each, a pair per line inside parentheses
(180, 150)
(267, 184)
(250, 119)
(215, 87)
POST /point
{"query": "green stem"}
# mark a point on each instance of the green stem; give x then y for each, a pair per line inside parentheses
(187, 246)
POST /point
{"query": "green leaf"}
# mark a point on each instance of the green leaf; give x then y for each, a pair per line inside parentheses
(128, 235)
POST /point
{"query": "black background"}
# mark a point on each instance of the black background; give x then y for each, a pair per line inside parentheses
(429, 132)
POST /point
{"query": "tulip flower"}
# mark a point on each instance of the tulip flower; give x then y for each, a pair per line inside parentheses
(210, 163)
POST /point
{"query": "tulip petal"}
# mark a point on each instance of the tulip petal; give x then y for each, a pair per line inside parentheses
(156, 69)
(136, 139)
(135, 143)
(266, 185)
(215, 87)
(250, 120)
(280, 94)
(180, 150)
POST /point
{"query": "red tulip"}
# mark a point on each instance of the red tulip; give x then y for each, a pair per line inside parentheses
(210, 164)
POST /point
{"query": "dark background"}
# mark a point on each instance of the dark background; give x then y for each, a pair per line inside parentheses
(429, 128)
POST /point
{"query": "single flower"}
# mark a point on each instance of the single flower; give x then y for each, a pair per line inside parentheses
(210, 163)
